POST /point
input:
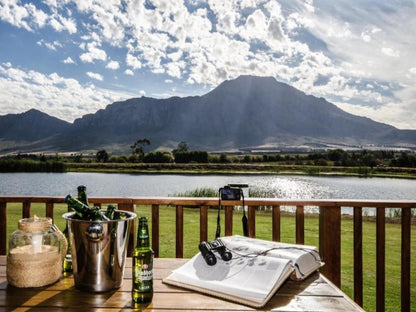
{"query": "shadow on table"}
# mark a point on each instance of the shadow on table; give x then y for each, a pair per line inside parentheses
(293, 293)
(43, 298)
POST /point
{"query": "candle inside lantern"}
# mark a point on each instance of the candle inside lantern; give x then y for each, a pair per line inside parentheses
(36, 243)
(36, 238)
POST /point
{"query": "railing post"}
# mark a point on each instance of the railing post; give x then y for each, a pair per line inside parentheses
(49, 210)
(406, 251)
(179, 231)
(358, 255)
(203, 224)
(228, 220)
(276, 223)
(251, 221)
(3, 227)
(300, 225)
(330, 242)
(380, 258)
(155, 230)
(26, 209)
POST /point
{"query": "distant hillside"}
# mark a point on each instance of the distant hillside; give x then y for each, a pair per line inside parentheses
(245, 112)
(18, 131)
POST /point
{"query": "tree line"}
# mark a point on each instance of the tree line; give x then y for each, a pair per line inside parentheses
(182, 154)
(31, 165)
(336, 157)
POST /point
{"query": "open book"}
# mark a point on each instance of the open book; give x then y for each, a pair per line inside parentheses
(256, 271)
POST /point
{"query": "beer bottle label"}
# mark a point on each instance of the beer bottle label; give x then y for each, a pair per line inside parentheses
(143, 275)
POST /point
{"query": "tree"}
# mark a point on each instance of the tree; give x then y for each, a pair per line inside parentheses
(139, 145)
(182, 147)
(101, 156)
(193, 156)
(158, 157)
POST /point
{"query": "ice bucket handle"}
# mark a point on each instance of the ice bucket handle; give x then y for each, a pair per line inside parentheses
(95, 232)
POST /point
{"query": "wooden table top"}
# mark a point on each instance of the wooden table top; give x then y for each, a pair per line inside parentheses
(314, 294)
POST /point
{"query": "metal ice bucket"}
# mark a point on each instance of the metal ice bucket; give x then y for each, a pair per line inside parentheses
(98, 251)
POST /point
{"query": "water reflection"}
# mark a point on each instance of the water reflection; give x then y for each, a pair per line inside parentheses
(279, 186)
(290, 188)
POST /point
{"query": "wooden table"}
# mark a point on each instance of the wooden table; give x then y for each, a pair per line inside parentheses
(314, 294)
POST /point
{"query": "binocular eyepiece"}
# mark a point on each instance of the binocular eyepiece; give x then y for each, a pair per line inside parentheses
(217, 245)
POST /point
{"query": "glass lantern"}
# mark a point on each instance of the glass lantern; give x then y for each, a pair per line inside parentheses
(35, 255)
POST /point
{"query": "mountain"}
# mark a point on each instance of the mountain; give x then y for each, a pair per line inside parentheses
(245, 112)
(30, 126)
(19, 131)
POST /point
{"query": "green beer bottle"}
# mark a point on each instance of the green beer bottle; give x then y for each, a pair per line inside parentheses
(110, 212)
(82, 195)
(67, 263)
(82, 210)
(142, 291)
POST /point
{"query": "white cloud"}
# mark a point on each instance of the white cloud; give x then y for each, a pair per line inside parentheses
(29, 17)
(61, 23)
(95, 76)
(174, 69)
(62, 97)
(69, 24)
(50, 45)
(93, 53)
(15, 14)
(391, 113)
(129, 72)
(56, 25)
(68, 60)
(390, 52)
(366, 37)
(109, 17)
(39, 17)
(113, 65)
(142, 92)
(255, 26)
(133, 62)
(175, 56)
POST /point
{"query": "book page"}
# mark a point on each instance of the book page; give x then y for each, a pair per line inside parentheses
(306, 259)
(251, 279)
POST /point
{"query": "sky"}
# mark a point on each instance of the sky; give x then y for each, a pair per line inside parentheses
(69, 58)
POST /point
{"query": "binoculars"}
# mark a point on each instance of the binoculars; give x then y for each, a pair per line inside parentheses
(207, 250)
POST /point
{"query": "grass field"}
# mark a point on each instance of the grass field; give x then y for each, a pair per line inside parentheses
(263, 230)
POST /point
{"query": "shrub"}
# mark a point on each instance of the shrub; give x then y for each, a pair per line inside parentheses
(193, 156)
(158, 157)
(27, 165)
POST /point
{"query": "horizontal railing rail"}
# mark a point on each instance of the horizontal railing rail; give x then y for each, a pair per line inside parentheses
(329, 230)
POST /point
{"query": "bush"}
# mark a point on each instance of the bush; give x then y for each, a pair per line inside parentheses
(118, 159)
(320, 162)
(158, 157)
(27, 165)
(193, 156)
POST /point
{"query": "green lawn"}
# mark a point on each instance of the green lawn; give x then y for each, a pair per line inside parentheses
(263, 230)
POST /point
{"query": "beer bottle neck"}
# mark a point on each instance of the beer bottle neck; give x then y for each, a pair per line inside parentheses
(82, 195)
(83, 198)
(143, 236)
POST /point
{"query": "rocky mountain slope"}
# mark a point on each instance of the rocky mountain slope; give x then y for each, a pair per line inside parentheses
(245, 112)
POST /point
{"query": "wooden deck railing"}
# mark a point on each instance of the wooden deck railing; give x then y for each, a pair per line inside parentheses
(329, 230)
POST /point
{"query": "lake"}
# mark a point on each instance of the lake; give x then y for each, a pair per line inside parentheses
(279, 186)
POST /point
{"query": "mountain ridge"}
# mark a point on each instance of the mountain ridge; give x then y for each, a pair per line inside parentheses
(248, 111)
